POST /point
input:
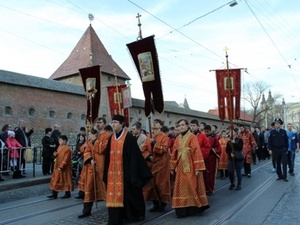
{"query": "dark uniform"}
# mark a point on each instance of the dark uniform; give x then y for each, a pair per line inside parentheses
(278, 144)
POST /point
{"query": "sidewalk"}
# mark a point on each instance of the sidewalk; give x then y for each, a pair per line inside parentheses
(9, 183)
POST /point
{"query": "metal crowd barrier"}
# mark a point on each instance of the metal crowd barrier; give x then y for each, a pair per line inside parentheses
(31, 155)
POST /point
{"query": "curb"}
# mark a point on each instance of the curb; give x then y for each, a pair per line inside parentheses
(25, 183)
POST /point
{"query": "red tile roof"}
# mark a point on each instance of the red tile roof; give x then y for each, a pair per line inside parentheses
(80, 57)
(243, 115)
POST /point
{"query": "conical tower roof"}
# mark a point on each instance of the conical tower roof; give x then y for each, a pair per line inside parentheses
(89, 45)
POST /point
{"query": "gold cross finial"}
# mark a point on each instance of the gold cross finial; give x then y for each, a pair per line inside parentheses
(140, 25)
(115, 71)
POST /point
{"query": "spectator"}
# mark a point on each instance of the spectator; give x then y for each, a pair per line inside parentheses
(55, 135)
(14, 146)
(23, 137)
(48, 149)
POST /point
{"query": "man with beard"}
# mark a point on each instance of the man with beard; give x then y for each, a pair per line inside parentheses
(125, 175)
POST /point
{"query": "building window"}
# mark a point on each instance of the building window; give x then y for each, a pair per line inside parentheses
(140, 119)
(70, 116)
(168, 115)
(170, 123)
(108, 78)
(31, 112)
(8, 111)
(131, 119)
(140, 111)
(51, 113)
(83, 116)
(104, 116)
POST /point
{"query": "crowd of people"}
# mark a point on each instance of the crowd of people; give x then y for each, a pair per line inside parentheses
(127, 166)
(13, 146)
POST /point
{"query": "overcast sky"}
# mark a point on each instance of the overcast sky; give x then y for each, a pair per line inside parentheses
(261, 35)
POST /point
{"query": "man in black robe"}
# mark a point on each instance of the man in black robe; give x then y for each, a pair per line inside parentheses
(135, 173)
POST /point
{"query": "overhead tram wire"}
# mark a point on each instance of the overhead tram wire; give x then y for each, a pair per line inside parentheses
(78, 7)
(287, 64)
(276, 25)
(207, 49)
(38, 18)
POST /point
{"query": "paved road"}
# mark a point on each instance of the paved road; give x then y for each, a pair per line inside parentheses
(262, 200)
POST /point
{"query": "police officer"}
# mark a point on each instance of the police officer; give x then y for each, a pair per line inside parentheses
(278, 146)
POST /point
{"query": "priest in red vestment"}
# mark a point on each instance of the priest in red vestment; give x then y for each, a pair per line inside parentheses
(125, 175)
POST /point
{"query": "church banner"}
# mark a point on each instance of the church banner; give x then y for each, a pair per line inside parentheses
(229, 92)
(116, 103)
(144, 55)
(91, 78)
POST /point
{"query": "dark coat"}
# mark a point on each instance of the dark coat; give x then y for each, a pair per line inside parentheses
(21, 138)
(55, 135)
(259, 138)
(47, 150)
(232, 147)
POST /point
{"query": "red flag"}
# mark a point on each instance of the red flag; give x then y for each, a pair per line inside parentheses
(115, 100)
(229, 92)
(144, 55)
(91, 83)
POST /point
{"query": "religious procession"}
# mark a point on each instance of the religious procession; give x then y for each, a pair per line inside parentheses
(144, 169)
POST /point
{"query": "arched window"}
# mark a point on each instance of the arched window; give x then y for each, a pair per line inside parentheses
(31, 112)
(51, 113)
(7, 111)
(83, 116)
(70, 116)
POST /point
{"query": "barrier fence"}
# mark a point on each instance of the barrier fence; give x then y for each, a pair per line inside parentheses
(11, 158)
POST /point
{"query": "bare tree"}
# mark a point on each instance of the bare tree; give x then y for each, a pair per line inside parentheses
(253, 93)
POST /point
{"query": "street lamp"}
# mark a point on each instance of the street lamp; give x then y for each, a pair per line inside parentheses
(232, 3)
(284, 114)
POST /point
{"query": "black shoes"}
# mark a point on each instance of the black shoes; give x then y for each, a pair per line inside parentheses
(79, 197)
(1, 179)
(155, 208)
(84, 215)
(231, 187)
(238, 188)
(52, 196)
(286, 180)
(66, 196)
(162, 207)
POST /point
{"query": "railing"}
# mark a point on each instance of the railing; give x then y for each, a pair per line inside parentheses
(31, 155)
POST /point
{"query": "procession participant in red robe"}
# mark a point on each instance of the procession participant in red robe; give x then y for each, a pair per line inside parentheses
(223, 161)
(94, 163)
(125, 175)
(249, 144)
(189, 197)
(161, 190)
(202, 139)
(61, 179)
(144, 144)
(211, 162)
(81, 181)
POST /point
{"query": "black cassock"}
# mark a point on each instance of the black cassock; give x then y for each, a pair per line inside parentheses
(136, 176)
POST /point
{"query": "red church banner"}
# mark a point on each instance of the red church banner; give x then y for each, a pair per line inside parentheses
(91, 82)
(144, 55)
(116, 103)
(229, 92)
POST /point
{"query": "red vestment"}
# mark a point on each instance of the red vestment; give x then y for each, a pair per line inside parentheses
(186, 159)
(248, 144)
(211, 164)
(160, 165)
(95, 151)
(223, 161)
(61, 180)
(204, 144)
